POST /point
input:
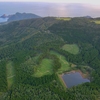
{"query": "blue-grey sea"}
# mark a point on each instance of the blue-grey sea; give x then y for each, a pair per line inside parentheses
(3, 20)
(44, 9)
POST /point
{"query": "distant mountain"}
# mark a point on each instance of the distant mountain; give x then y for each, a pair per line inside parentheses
(87, 16)
(21, 16)
(4, 16)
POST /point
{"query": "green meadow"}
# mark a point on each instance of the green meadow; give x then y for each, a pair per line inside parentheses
(96, 21)
(45, 68)
(64, 18)
(10, 73)
(71, 48)
(65, 65)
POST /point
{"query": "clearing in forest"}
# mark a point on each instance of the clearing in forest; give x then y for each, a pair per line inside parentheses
(45, 68)
(63, 18)
(10, 73)
(96, 21)
(65, 66)
(71, 48)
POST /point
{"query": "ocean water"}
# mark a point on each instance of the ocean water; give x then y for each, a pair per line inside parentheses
(49, 9)
(3, 20)
(38, 8)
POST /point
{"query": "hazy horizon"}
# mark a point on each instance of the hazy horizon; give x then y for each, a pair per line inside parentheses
(44, 9)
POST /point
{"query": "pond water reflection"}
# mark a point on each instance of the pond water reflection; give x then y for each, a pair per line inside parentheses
(73, 79)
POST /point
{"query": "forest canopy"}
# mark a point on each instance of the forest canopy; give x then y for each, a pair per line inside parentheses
(34, 52)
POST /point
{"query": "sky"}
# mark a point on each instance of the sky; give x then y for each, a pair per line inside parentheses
(96, 2)
(61, 8)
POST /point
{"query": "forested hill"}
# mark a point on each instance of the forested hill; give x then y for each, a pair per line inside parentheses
(77, 30)
(27, 46)
(21, 16)
(16, 31)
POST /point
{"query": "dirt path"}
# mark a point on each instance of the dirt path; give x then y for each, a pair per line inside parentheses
(63, 82)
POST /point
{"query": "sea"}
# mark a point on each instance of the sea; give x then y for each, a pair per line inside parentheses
(45, 9)
(3, 20)
(39, 8)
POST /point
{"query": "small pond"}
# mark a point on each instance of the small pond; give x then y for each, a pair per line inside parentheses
(73, 79)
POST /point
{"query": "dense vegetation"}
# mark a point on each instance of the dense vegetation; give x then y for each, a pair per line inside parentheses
(3, 80)
(26, 45)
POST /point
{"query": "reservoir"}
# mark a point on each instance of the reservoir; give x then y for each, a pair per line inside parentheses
(73, 79)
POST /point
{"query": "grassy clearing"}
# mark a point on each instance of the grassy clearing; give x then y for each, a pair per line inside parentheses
(96, 21)
(64, 18)
(10, 73)
(45, 68)
(71, 48)
(65, 66)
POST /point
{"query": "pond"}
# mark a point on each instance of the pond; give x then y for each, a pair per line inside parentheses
(73, 79)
